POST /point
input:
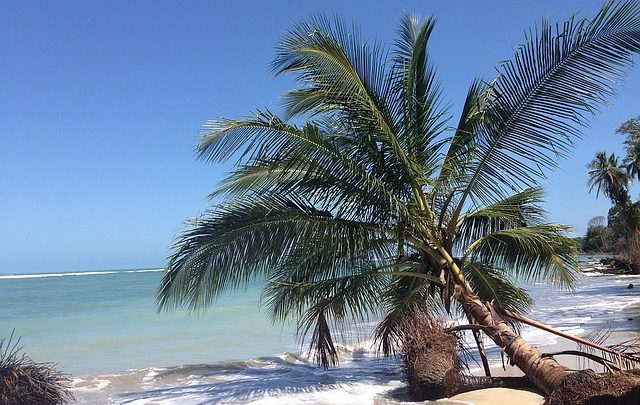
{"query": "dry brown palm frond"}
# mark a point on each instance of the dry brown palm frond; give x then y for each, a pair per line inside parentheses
(623, 355)
(23, 381)
(592, 348)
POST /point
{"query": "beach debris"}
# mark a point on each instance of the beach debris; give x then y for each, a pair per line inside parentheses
(23, 381)
(587, 387)
(612, 265)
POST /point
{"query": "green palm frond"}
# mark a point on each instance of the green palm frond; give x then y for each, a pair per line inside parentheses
(322, 344)
(242, 240)
(303, 161)
(494, 285)
(454, 174)
(343, 293)
(404, 294)
(518, 210)
(540, 252)
(387, 332)
(346, 76)
(339, 67)
(418, 93)
(290, 294)
(540, 100)
(222, 139)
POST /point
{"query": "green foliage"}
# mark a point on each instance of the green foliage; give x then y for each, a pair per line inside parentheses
(606, 175)
(373, 207)
(599, 239)
(631, 129)
(609, 176)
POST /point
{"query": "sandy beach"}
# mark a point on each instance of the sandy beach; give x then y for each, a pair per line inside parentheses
(493, 396)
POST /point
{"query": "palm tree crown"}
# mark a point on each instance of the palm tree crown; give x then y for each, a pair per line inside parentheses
(373, 206)
(606, 175)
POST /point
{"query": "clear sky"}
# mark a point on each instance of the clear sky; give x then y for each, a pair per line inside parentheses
(102, 101)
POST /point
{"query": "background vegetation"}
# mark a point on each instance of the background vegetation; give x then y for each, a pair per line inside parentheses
(610, 176)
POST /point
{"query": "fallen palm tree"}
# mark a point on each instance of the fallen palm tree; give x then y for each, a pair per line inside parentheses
(23, 381)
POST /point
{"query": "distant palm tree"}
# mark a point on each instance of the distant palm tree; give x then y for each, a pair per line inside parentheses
(606, 175)
(631, 129)
(374, 207)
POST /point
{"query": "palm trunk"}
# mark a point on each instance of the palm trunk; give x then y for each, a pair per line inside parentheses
(544, 372)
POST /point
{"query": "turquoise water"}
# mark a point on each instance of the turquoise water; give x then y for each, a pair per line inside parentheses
(96, 323)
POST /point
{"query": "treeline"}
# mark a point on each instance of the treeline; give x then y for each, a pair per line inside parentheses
(606, 235)
(609, 175)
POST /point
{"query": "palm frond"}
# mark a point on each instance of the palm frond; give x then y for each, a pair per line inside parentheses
(242, 240)
(309, 161)
(541, 252)
(353, 285)
(346, 76)
(493, 285)
(344, 294)
(322, 344)
(518, 210)
(403, 296)
(418, 93)
(617, 357)
(388, 333)
(540, 99)
(454, 173)
(222, 139)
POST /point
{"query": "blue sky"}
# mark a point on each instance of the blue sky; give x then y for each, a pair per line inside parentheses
(102, 103)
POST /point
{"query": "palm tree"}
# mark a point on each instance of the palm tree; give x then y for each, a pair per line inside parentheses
(373, 206)
(631, 129)
(606, 175)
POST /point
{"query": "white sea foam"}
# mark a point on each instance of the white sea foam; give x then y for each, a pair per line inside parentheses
(80, 273)
(94, 384)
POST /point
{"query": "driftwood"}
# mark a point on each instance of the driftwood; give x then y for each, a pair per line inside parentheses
(614, 265)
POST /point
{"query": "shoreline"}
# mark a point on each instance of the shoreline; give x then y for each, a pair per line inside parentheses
(362, 378)
(391, 392)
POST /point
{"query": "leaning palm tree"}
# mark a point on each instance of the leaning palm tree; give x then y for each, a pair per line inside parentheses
(376, 205)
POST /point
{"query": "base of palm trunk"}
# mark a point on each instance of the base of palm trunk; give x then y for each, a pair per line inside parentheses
(431, 362)
(23, 381)
(432, 366)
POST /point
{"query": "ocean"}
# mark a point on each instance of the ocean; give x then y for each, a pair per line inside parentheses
(103, 330)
